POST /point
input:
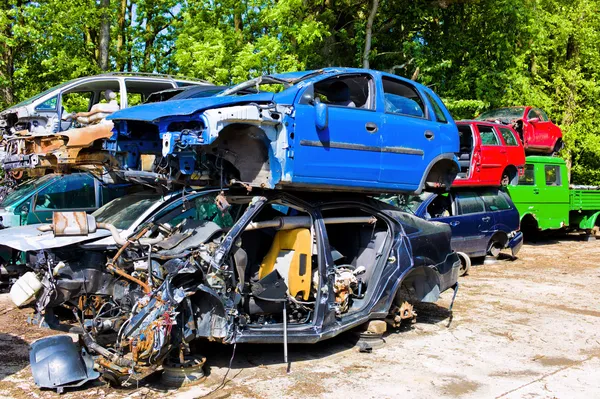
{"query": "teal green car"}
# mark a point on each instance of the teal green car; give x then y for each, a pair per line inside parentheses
(546, 201)
(35, 201)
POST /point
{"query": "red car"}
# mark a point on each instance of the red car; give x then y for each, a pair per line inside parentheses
(538, 133)
(491, 154)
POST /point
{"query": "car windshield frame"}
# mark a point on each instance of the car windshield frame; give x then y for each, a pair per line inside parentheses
(507, 114)
(255, 83)
(36, 97)
(133, 205)
(24, 190)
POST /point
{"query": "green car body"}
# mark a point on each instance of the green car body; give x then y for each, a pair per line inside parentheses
(546, 202)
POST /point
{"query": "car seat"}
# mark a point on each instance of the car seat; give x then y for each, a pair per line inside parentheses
(291, 256)
(369, 252)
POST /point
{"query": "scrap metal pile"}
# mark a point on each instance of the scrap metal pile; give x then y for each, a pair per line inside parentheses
(143, 278)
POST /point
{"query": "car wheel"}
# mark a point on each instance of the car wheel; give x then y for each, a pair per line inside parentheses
(465, 263)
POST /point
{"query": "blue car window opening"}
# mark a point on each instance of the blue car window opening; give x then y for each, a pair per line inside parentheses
(402, 99)
(494, 201)
(352, 91)
(469, 203)
(437, 110)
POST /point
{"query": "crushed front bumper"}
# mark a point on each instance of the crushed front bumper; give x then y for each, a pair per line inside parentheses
(515, 242)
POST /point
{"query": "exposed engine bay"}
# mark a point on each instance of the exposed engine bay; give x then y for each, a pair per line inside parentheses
(249, 264)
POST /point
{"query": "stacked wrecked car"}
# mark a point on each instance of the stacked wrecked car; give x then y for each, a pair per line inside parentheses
(241, 239)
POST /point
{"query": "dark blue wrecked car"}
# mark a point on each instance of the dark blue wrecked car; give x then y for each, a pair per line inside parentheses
(484, 221)
(331, 129)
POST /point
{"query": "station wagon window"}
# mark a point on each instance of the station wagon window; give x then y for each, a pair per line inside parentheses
(402, 98)
(552, 173)
(469, 203)
(439, 114)
(75, 191)
(528, 178)
(48, 105)
(77, 101)
(488, 135)
(353, 91)
(508, 136)
(495, 201)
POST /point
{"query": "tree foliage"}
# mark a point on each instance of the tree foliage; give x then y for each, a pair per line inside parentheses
(477, 54)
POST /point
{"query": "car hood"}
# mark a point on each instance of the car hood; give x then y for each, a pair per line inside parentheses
(29, 238)
(155, 111)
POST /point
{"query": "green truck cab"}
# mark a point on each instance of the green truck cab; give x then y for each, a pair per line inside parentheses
(546, 201)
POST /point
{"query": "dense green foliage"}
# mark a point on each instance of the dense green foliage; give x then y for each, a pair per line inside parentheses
(477, 54)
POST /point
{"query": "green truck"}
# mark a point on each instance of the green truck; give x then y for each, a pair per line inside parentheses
(546, 201)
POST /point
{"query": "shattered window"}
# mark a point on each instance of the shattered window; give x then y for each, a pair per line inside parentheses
(552, 175)
(123, 211)
(528, 178)
(508, 136)
(401, 98)
(488, 135)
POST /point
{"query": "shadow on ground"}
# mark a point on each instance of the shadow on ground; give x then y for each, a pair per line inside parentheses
(14, 355)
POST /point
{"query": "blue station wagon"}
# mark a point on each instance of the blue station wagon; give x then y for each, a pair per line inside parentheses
(330, 129)
(484, 221)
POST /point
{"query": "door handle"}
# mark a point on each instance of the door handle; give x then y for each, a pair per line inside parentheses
(486, 219)
(429, 135)
(454, 223)
(371, 127)
(536, 190)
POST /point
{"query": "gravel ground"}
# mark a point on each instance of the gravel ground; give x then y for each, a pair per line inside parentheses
(528, 328)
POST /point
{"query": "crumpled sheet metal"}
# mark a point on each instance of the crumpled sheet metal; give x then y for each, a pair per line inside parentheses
(58, 363)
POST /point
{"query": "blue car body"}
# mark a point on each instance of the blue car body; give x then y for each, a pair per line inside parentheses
(480, 219)
(331, 129)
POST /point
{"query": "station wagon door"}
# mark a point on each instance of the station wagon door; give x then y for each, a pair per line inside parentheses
(409, 138)
(493, 154)
(74, 192)
(475, 222)
(347, 151)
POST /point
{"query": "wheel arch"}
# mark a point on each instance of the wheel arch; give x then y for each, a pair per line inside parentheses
(443, 167)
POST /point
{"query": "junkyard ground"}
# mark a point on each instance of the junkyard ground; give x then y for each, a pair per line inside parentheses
(529, 328)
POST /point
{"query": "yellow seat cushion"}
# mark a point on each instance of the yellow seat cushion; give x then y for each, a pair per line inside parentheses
(291, 255)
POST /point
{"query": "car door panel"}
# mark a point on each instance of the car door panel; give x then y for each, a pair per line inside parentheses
(348, 148)
(409, 136)
(493, 154)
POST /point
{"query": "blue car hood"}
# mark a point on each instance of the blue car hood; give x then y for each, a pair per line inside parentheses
(155, 111)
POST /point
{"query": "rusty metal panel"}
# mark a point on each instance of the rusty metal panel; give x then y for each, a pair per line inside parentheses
(72, 224)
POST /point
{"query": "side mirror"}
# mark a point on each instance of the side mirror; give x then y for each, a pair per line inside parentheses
(533, 120)
(321, 114)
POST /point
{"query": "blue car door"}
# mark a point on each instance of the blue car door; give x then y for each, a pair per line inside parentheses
(410, 138)
(347, 151)
(476, 222)
(441, 208)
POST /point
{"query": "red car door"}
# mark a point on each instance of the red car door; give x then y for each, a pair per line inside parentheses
(537, 130)
(515, 155)
(493, 154)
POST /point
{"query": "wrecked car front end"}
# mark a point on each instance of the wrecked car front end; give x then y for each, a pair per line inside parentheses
(273, 276)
